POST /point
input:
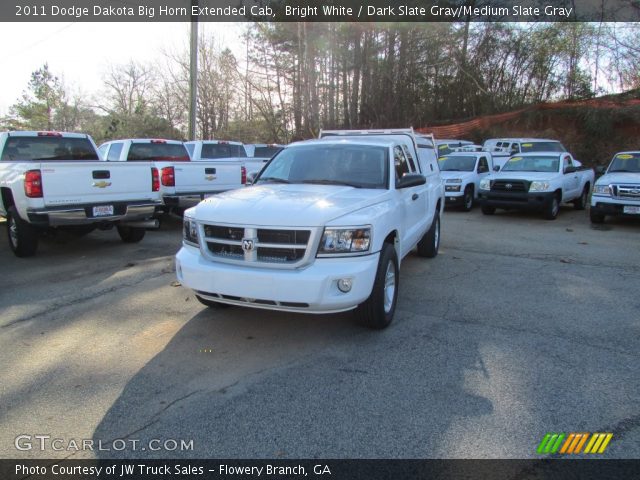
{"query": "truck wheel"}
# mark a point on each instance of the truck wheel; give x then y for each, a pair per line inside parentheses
(131, 234)
(211, 303)
(596, 217)
(551, 210)
(23, 238)
(377, 311)
(430, 241)
(487, 210)
(581, 203)
(467, 202)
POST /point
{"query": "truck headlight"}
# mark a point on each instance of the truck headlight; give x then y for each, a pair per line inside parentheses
(602, 190)
(190, 231)
(485, 184)
(345, 240)
(539, 186)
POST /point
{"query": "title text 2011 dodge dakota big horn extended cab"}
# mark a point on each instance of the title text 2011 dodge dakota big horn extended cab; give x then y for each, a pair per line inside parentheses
(322, 230)
(537, 181)
(52, 180)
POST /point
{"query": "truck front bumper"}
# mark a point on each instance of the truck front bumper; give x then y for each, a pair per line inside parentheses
(614, 206)
(454, 199)
(311, 289)
(518, 200)
(66, 215)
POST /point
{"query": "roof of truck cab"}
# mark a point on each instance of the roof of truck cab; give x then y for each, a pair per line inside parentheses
(145, 140)
(537, 154)
(44, 133)
(215, 142)
(517, 139)
(346, 139)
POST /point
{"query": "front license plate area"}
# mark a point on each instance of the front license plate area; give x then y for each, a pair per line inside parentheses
(631, 209)
(103, 211)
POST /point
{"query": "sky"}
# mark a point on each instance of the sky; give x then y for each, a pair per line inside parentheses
(80, 53)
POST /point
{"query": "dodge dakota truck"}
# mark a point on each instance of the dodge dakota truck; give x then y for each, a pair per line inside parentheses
(617, 192)
(323, 229)
(462, 173)
(54, 180)
(539, 181)
(183, 183)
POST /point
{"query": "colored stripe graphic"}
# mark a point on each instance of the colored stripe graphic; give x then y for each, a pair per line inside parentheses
(574, 443)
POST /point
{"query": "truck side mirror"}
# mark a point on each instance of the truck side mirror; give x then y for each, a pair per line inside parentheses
(600, 169)
(411, 180)
(496, 168)
(251, 177)
(570, 169)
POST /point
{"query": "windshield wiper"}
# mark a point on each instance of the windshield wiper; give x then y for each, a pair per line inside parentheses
(331, 182)
(273, 179)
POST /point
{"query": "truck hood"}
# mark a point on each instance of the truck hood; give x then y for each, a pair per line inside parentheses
(620, 177)
(462, 175)
(523, 175)
(286, 205)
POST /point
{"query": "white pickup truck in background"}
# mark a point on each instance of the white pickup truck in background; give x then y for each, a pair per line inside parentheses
(503, 148)
(183, 183)
(537, 181)
(462, 173)
(262, 150)
(322, 230)
(54, 180)
(224, 151)
(617, 192)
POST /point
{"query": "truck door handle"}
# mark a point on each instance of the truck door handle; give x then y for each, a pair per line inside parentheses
(414, 196)
(101, 174)
(210, 171)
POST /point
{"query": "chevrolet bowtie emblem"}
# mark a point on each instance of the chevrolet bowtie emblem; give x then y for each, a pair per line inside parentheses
(101, 184)
(210, 177)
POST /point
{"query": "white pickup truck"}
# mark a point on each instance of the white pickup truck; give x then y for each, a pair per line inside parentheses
(182, 183)
(224, 151)
(537, 181)
(462, 173)
(503, 148)
(54, 180)
(617, 192)
(322, 230)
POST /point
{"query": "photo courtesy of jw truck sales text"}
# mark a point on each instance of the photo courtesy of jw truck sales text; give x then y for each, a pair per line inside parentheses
(285, 239)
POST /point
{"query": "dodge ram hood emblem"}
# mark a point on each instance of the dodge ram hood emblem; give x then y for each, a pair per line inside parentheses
(101, 184)
(247, 244)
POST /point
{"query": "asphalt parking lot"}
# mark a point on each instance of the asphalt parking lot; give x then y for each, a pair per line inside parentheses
(519, 327)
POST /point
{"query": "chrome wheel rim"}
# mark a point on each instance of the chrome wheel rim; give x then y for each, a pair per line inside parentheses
(13, 232)
(389, 287)
(555, 207)
(468, 200)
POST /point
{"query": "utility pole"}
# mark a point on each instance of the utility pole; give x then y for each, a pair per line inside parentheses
(193, 69)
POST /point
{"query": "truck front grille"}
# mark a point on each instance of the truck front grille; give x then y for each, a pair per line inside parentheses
(510, 186)
(627, 191)
(256, 246)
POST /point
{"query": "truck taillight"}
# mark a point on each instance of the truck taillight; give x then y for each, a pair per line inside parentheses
(159, 140)
(244, 175)
(49, 134)
(155, 180)
(33, 184)
(168, 177)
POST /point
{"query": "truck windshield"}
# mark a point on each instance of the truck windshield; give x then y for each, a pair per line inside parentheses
(457, 163)
(541, 147)
(267, 151)
(222, 150)
(536, 163)
(158, 151)
(625, 162)
(360, 166)
(48, 148)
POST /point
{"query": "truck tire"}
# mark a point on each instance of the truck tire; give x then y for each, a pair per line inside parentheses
(131, 234)
(581, 202)
(377, 311)
(487, 210)
(23, 238)
(596, 217)
(211, 303)
(430, 241)
(551, 210)
(467, 201)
